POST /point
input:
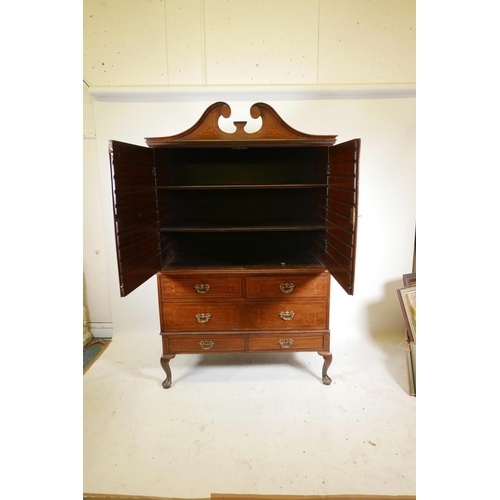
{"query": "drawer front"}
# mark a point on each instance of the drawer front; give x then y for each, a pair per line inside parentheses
(201, 344)
(292, 342)
(200, 316)
(316, 285)
(203, 286)
(288, 315)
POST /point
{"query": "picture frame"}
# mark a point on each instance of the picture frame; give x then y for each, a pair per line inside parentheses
(408, 300)
(412, 387)
(413, 351)
(410, 279)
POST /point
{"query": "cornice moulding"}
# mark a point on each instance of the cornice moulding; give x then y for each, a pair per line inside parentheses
(165, 93)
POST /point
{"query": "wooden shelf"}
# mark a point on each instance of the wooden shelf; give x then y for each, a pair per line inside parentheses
(241, 186)
(224, 227)
(245, 260)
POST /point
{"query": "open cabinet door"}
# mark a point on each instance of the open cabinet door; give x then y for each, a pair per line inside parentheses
(135, 214)
(341, 212)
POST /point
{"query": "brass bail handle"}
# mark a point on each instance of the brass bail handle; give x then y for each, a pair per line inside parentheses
(285, 343)
(206, 345)
(203, 317)
(287, 315)
(202, 288)
(287, 287)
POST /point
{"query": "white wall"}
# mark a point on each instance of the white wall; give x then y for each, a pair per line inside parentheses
(154, 66)
(95, 274)
(387, 197)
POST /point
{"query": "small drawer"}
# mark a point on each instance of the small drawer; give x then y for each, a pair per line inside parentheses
(201, 344)
(316, 285)
(291, 342)
(200, 316)
(202, 286)
(310, 314)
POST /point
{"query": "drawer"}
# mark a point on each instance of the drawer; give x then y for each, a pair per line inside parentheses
(203, 286)
(311, 314)
(291, 342)
(317, 285)
(200, 316)
(201, 344)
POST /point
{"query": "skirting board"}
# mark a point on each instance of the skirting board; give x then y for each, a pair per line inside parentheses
(101, 330)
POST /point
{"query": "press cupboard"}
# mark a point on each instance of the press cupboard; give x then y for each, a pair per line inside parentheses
(243, 231)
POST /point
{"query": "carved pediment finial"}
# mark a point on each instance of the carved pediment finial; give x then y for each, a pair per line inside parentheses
(273, 130)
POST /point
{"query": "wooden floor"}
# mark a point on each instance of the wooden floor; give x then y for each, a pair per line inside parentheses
(217, 496)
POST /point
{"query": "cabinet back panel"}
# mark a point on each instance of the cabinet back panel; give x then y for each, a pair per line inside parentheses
(247, 249)
(184, 167)
(237, 206)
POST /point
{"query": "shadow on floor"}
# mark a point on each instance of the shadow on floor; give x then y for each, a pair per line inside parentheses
(387, 329)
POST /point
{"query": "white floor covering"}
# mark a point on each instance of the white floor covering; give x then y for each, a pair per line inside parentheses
(255, 424)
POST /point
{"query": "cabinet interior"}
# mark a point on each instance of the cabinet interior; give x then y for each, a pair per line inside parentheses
(241, 207)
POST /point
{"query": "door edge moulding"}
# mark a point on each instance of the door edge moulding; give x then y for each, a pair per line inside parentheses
(170, 93)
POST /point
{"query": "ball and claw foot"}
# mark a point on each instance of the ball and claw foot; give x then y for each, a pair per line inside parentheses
(328, 357)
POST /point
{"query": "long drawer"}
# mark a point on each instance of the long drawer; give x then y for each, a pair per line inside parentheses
(201, 316)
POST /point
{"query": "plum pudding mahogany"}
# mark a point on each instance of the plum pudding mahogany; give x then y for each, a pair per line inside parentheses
(243, 231)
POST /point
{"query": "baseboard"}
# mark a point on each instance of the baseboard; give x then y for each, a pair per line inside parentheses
(101, 330)
(87, 337)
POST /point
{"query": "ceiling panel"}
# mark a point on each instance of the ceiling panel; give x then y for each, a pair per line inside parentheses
(364, 41)
(261, 42)
(124, 42)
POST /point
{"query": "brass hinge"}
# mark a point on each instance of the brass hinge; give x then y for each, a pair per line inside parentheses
(353, 215)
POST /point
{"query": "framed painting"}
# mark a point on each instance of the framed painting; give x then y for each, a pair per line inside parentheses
(410, 279)
(411, 373)
(408, 300)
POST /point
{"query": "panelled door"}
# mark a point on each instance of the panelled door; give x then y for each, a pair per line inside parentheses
(341, 212)
(135, 214)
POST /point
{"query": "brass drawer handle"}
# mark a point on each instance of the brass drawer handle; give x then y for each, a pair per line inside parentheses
(287, 315)
(287, 287)
(201, 289)
(206, 345)
(203, 317)
(285, 343)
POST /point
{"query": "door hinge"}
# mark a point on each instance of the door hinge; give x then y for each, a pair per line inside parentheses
(153, 171)
(353, 215)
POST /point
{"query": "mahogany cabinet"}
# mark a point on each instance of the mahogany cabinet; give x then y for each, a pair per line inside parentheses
(243, 231)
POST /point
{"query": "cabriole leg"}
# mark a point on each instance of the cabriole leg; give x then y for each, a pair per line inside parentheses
(165, 364)
(328, 357)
